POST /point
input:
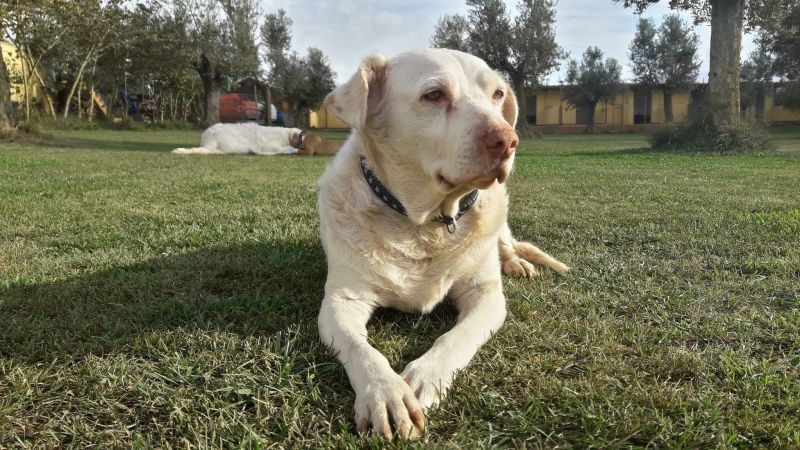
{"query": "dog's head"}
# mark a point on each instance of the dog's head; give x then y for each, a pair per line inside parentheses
(311, 143)
(440, 111)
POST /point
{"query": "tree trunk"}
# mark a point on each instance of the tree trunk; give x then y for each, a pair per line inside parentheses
(91, 103)
(47, 96)
(760, 97)
(211, 105)
(522, 104)
(212, 87)
(268, 117)
(724, 73)
(668, 105)
(80, 105)
(5, 97)
(590, 127)
(78, 78)
(26, 90)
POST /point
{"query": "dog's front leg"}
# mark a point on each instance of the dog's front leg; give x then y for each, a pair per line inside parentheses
(481, 311)
(383, 398)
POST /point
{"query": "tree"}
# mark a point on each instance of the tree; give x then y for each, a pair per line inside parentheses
(318, 81)
(37, 30)
(150, 35)
(92, 29)
(591, 81)
(727, 18)
(678, 62)
(219, 37)
(757, 72)
(5, 82)
(302, 82)
(524, 50)
(276, 38)
(665, 57)
(490, 34)
(451, 31)
(643, 54)
(5, 97)
(780, 39)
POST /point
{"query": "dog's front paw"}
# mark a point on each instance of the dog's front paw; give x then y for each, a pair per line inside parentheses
(430, 381)
(388, 404)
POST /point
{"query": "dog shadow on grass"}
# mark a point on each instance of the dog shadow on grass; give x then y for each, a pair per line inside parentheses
(252, 290)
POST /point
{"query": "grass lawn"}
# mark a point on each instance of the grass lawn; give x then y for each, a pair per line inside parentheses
(151, 300)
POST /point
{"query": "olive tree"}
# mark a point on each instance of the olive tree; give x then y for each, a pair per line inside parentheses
(220, 44)
(303, 82)
(591, 81)
(523, 48)
(451, 31)
(665, 57)
(728, 19)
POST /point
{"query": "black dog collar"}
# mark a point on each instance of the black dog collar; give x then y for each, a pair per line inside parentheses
(392, 202)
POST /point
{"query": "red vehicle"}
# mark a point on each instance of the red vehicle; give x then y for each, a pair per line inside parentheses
(234, 108)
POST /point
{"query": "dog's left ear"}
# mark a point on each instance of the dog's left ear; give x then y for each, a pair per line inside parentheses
(510, 108)
(352, 101)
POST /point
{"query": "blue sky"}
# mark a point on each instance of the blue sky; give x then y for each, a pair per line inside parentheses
(348, 30)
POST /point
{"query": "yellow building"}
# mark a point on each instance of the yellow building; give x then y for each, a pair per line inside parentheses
(321, 118)
(630, 107)
(16, 68)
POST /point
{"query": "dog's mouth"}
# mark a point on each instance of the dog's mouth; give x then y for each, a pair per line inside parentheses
(444, 181)
(498, 170)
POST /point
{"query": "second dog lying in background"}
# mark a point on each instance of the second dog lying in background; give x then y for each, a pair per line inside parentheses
(254, 139)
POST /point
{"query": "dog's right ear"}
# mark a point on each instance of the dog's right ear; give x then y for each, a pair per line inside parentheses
(352, 101)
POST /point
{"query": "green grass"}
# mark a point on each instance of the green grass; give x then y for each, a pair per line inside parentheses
(149, 300)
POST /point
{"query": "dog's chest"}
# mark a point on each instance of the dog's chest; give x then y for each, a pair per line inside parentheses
(416, 274)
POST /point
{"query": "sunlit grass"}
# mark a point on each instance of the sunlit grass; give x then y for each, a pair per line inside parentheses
(150, 300)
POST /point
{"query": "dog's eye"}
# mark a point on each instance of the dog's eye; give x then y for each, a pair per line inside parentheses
(434, 95)
(498, 94)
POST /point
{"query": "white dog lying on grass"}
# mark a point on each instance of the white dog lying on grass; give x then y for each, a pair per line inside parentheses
(247, 138)
(413, 210)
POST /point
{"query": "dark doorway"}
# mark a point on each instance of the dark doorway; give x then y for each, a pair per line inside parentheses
(696, 99)
(642, 106)
(583, 115)
(531, 113)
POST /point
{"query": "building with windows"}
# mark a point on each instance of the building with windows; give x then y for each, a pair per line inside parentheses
(632, 106)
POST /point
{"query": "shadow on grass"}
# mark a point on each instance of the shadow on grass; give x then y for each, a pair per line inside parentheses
(255, 289)
(105, 144)
(627, 151)
(249, 289)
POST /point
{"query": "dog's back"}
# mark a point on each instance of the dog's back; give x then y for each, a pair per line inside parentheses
(241, 138)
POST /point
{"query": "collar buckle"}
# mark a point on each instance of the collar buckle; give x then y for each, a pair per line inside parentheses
(448, 221)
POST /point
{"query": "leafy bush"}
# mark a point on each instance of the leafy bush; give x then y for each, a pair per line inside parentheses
(698, 134)
(743, 136)
(25, 132)
(528, 132)
(70, 123)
